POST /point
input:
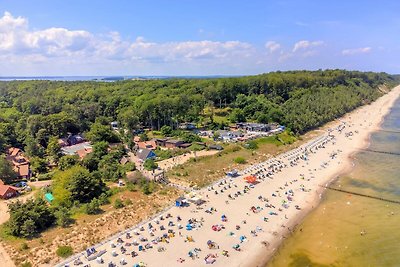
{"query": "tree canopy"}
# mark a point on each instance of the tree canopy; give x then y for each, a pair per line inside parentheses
(29, 218)
(300, 99)
(76, 184)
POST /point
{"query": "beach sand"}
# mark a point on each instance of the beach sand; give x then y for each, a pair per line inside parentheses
(274, 198)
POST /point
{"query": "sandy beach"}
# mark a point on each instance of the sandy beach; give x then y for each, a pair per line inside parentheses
(241, 223)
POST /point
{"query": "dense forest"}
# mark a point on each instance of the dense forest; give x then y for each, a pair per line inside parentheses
(33, 111)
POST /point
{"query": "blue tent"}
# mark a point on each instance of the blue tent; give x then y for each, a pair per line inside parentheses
(189, 227)
(180, 202)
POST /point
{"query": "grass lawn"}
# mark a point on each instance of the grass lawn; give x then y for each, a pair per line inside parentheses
(205, 170)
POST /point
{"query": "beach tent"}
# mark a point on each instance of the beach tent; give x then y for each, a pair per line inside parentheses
(189, 227)
(49, 197)
(232, 173)
(180, 202)
(251, 179)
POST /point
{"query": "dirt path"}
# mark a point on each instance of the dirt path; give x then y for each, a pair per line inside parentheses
(178, 160)
(5, 259)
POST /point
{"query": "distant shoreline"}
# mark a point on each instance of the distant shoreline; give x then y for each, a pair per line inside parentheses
(108, 78)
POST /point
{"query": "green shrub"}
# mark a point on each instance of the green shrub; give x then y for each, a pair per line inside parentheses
(130, 166)
(24, 246)
(252, 145)
(26, 264)
(63, 216)
(148, 187)
(64, 251)
(131, 187)
(240, 160)
(128, 202)
(150, 165)
(103, 199)
(45, 176)
(118, 204)
(93, 207)
(196, 147)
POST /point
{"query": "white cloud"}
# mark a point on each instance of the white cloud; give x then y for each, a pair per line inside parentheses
(272, 46)
(19, 43)
(361, 50)
(304, 44)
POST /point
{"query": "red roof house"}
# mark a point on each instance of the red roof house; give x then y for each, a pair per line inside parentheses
(7, 191)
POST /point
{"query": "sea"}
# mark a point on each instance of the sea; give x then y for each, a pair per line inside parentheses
(105, 78)
(349, 230)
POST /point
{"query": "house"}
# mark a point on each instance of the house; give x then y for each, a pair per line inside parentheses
(23, 171)
(7, 191)
(216, 147)
(124, 160)
(227, 136)
(147, 144)
(71, 140)
(145, 153)
(253, 127)
(173, 143)
(84, 152)
(184, 145)
(81, 149)
(21, 164)
(13, 152)
(160, 141)
(63, 142)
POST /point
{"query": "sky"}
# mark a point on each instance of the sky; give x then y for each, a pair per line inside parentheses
(196, 37)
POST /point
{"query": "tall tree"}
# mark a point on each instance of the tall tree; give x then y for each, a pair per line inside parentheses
(7, 174)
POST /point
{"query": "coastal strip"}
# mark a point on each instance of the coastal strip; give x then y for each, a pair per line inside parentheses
(243, 223)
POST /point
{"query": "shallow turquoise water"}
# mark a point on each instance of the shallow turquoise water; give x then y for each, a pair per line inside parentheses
(348, 230)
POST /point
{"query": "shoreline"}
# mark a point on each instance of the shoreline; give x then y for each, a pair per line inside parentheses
(346, 169)
(254, 253)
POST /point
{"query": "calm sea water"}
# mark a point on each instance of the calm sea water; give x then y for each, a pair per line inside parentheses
(347, 230)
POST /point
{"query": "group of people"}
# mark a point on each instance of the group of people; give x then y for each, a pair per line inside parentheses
(161, 232)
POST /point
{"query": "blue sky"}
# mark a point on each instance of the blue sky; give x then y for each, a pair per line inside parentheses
(189, 37)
